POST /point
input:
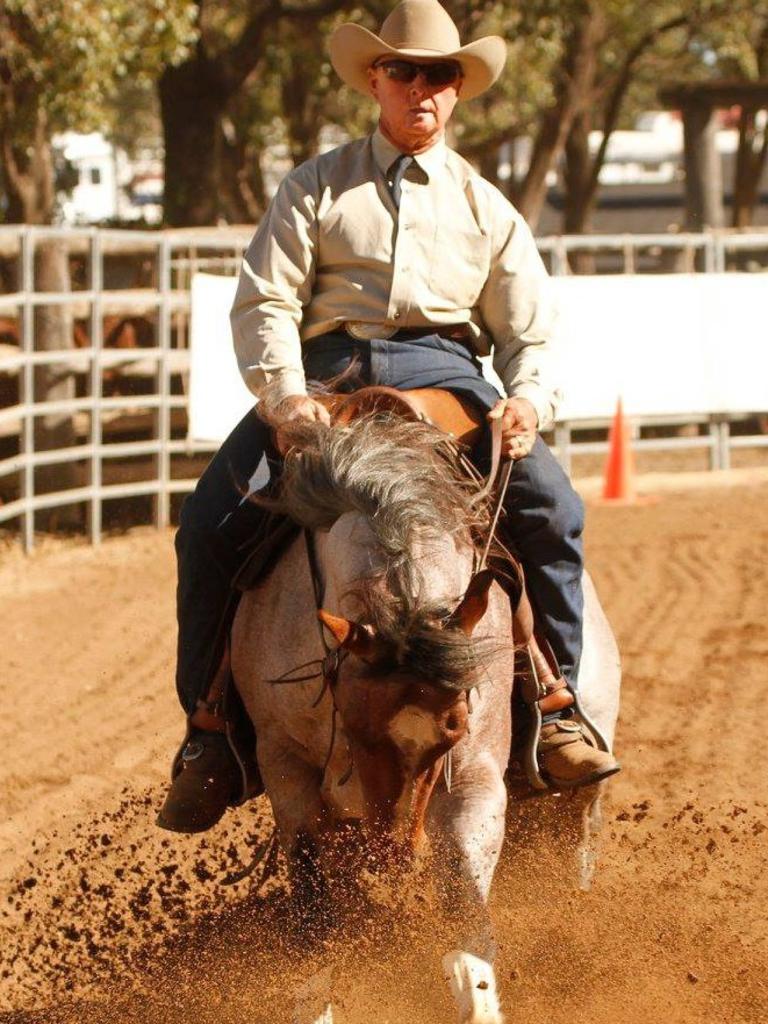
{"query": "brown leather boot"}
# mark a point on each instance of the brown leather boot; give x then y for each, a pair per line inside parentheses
(206, 782)
(568, 758)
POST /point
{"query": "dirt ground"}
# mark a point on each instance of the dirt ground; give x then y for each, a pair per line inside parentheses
(104, 918)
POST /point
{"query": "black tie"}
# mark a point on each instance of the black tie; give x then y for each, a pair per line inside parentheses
(397, 172)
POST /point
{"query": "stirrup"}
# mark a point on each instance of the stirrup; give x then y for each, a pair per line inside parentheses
(532, 691)
(250, 777)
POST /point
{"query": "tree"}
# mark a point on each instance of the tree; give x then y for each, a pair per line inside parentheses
(280, 113)
(741, 47)
(60, 64)
(648, 39)
(196, 95)
(552, 52)
(576, 66)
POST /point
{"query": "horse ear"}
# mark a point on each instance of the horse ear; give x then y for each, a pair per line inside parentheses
(352, 636)
(474, 604)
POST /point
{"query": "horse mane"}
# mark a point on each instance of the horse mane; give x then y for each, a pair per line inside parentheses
(403, 478)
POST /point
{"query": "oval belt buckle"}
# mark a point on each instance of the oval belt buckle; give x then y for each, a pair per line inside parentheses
(368, 332)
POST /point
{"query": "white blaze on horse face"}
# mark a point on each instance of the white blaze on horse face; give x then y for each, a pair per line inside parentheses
(414, 731)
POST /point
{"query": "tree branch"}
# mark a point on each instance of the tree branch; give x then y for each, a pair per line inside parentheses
(574, 86)
(495, 140)
(318, 10)
(233, 65)
(11, 167)
(617, 93)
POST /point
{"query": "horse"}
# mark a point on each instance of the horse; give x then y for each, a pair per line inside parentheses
(377, 667)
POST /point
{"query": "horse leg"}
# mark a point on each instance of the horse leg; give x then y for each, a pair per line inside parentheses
(313, 997)
(293, 788)
(469, 823)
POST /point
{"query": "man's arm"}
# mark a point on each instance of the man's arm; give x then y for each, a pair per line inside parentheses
(276, 281)
(518, 308)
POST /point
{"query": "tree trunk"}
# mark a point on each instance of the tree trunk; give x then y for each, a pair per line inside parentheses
(193, 99)
(192, 103)
(579, 194)
(301, 114)
(576, 177)
(574, 88)
(28, 172)
(241, 182)
(703, 169)
(750, 164)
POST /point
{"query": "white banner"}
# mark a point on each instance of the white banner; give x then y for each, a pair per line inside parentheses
(668, 344)
(218, 398)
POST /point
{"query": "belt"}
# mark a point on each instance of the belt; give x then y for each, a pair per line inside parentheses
(363, 331)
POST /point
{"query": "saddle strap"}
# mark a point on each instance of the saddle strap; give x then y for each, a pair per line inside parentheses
(551, 691)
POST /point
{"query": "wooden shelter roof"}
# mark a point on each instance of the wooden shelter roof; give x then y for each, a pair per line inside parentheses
(719, 93)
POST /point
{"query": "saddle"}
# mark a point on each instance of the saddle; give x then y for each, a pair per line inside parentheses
(455, 416)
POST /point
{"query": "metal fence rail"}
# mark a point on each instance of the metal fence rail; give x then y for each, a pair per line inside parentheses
(162, 298)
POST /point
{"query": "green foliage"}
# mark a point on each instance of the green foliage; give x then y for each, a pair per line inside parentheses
(294, 91)
(92, 64)
(69, 56)
(739, 43)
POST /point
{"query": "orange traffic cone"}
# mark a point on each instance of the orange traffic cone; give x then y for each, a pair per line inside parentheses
(619, 482)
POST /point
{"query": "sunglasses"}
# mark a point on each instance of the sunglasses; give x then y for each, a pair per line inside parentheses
(445, 72)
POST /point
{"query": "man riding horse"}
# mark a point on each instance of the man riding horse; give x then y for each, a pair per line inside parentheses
(391, 256)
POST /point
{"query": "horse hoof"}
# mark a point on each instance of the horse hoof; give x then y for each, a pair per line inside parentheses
(313, 1004)
(473, 985)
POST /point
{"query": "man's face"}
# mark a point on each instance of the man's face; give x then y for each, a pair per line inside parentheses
(413, 114)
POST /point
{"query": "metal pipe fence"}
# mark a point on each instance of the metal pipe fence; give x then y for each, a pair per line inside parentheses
(145, 277)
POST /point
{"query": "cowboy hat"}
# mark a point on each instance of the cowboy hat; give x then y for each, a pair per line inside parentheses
(421, 29)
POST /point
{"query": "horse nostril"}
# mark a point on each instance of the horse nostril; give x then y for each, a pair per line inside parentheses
(451, 722)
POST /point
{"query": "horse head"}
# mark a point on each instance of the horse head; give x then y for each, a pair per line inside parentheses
(400, 719)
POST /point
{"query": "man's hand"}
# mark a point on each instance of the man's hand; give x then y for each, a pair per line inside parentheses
(294, 409)
(519, 422)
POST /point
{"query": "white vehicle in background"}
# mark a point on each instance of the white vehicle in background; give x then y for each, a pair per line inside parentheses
(652, 152)
(108, 184)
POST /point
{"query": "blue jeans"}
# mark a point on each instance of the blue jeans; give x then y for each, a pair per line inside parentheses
(546, 513)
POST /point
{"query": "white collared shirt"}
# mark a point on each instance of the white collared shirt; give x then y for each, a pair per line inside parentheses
(333, 247)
